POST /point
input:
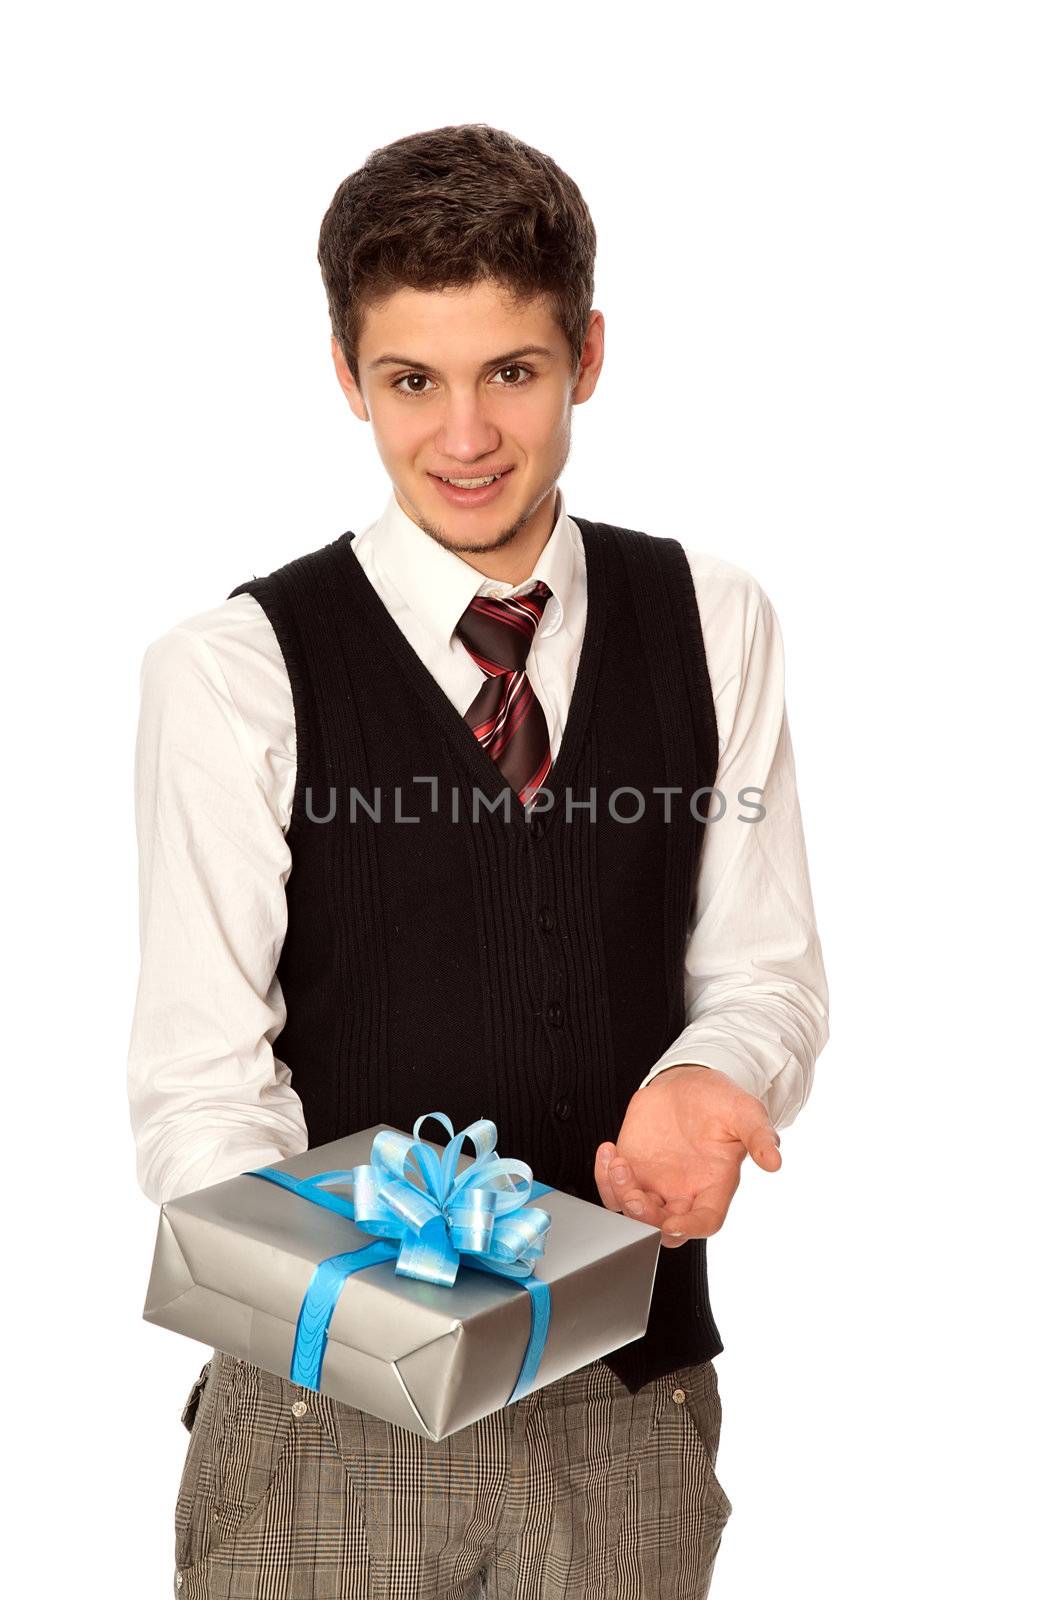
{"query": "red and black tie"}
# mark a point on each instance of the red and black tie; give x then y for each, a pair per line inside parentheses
(506, 716)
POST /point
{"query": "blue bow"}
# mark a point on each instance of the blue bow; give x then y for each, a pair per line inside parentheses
(458, 1216)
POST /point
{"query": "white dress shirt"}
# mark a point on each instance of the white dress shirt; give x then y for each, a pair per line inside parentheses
(214, 783)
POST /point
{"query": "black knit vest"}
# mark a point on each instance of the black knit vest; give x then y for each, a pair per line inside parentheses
(529, 969)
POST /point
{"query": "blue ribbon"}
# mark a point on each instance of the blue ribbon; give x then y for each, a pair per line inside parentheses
(458, 1217)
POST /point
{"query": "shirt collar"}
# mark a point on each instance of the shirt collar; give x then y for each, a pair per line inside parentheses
(438, 586)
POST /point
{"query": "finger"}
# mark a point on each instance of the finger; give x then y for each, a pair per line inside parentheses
(754, 1127)
(700, 1223)
(674, 1211)
(645, 1204)
(606, 1154)
(704, 1217)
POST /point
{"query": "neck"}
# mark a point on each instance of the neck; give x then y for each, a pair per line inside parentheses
(516, 560)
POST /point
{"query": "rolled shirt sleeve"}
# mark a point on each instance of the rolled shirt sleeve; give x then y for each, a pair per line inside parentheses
(755, 986)
(207, 1097)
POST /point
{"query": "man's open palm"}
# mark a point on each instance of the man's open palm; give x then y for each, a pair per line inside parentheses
(682, 1143)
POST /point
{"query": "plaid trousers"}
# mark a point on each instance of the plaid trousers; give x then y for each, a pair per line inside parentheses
(579, 1490)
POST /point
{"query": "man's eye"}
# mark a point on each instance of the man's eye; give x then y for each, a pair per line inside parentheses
(507, 385)
(412, 377)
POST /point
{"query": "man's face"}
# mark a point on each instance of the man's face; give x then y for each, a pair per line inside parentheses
(462, 383)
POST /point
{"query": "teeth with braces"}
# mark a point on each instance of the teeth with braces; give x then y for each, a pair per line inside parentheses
(471, 483)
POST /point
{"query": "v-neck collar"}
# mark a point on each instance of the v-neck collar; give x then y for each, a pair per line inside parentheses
(489, 779)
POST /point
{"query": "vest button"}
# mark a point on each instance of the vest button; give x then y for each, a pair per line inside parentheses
(554, 1014)
(545, 918)
(562, 1110)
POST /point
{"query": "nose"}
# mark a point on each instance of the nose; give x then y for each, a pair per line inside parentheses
(466, 432)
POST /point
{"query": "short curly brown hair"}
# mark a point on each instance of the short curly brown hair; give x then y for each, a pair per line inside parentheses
(451, 207)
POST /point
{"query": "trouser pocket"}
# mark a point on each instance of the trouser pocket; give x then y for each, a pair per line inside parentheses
(195, 1394)
(243, 1425)
(197, 1414)
(701, 1405)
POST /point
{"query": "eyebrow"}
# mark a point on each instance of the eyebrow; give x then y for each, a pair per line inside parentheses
(488, 366)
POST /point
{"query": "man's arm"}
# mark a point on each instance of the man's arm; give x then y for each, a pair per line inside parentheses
(207, 1097)
(756, 990)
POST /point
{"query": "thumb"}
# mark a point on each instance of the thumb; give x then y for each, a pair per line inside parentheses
(753, 1126)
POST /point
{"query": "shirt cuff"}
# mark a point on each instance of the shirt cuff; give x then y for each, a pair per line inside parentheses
(739, 1069)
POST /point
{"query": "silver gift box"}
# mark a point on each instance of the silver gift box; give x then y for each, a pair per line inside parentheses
(233, 1262)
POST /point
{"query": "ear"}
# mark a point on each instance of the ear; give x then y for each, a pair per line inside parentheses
(348, 383)
(591, 358)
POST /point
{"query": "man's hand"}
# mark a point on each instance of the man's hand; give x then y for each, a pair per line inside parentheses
(676, 1160)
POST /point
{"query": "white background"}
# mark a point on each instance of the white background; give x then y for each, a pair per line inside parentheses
(830, 267)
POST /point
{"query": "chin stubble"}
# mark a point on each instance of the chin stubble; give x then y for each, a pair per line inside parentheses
(498, 543)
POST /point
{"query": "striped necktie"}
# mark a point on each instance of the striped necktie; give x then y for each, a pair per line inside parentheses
(506, 716)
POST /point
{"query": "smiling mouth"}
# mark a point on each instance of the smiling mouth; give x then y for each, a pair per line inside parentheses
(472, 483)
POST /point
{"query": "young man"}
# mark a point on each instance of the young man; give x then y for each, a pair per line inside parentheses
(488, 809)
